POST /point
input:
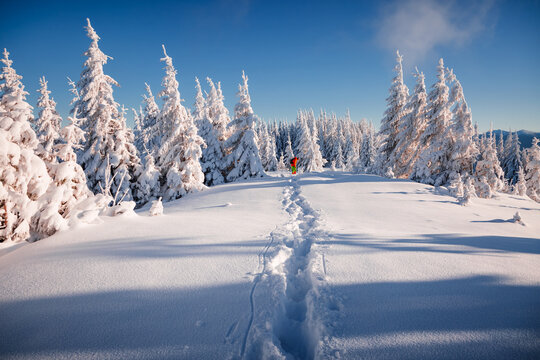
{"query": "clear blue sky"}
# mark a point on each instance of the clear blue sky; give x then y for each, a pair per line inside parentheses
(297, 54)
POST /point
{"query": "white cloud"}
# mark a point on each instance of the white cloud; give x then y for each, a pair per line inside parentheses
(416, 27)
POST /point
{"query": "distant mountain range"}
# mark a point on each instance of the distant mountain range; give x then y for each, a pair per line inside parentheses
(525, 136)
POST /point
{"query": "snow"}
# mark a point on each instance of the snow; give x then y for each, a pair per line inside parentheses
(322, 265)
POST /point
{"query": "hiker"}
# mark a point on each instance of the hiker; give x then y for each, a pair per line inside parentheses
(294, 160)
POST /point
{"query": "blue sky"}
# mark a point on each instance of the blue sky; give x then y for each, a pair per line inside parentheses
(297, 54)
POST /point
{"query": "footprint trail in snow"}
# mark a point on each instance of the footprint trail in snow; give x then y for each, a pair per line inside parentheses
(290, 305)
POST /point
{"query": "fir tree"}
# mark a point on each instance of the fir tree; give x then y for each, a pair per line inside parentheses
(488, 171)
(151, 131)
(69, 182)
(411, 129)
(432, 166)
(23, 175)
(95, 104)
(393, 116)
(367, 155)
(520, 187)
(212, 153)
(47, 124)
(147, 185)
(243, 160)
(180, 149)
(464, 151)
(532, 176)
(308, 152)
(512, 159)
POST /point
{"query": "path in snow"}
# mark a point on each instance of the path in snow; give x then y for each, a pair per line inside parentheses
(290, 283)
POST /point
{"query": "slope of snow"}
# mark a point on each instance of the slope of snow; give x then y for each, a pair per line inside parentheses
(423, 277)
(318, 266)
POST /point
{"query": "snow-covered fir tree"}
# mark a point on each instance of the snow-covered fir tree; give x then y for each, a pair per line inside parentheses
(500, 147)
(393, 116)
(221, 117)
(101, 123)
(488, 171)
(464, 151)
(147, 186)
(151, 131)
(512, 159)
(289, 154)
(432, 166)
(281, 163)
(532, 176)
(267, 149)
(410, 129)
(47, 124)
(243, 160)
(520, 187)
(69, 182)
(180, 149)
(368, 152)
(308, 151)
(199, 110)
(212, 153)
(124, 161)
(351, 153)
(23, 175)
(138, 130)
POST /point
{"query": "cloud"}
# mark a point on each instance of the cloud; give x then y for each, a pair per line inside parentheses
(416, 27)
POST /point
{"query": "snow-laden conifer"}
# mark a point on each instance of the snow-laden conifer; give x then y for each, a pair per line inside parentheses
(368, 152)
(243, 160)
(267, 149)
(124, 160)
(520, 187)
(200, 104)
(289, 154)
(47, 124)
(180, 149)
(138, 130)
(393, 116)
(512, 159)
(68, 187)
(23, 175)
(410, 129)
(212, 153)
(221, 117)
(532, 176)
(151, 130)
(464, 151)
(147, 185)
(500, 147)
(281, 163)
(102, 119)
(488, 171)
(308, 151)
(351, 152)
(432, 166)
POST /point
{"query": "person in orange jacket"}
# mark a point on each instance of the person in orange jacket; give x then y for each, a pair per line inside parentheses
(294, 160)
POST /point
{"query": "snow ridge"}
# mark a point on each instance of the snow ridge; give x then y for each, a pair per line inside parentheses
(289, 305)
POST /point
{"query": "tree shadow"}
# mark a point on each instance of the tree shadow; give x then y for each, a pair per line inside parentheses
(143, 324)
(476, 317)
(170, 247)
(431, 242)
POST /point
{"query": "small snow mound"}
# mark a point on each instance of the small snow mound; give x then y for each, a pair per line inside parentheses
(125, 207)
(228, 204)
(517, 219)
(157, 208)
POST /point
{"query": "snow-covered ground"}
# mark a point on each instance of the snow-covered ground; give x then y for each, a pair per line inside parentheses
(321, 265)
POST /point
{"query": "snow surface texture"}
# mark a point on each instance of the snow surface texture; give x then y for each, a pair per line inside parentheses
(327, 265)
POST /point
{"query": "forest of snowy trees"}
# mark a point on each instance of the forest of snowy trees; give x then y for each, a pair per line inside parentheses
(53, 177)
